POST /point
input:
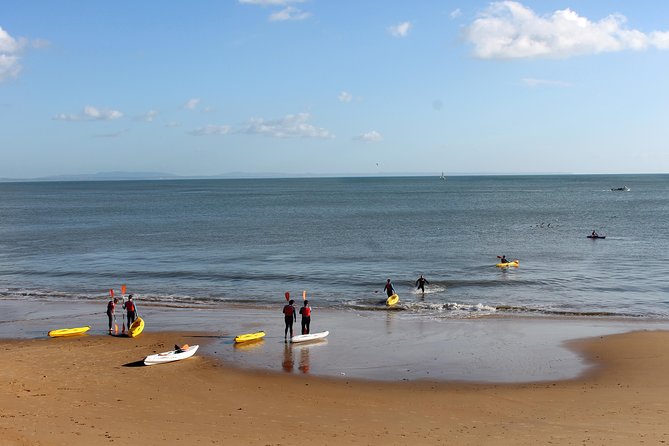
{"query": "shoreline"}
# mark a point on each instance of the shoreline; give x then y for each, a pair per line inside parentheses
(376, 346)
(86, 390)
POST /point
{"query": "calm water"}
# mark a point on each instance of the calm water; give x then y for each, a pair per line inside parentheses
(196, 242)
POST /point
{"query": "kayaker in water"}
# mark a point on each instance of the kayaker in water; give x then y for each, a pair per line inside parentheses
(503, 260)
(594, 233)
(389, 288)
(305, 311)
(420, 283)
(289, 317)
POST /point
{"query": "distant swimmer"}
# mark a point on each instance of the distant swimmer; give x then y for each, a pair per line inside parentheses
(389, 288)
(305, 311)
(289, 317)
(420, 283)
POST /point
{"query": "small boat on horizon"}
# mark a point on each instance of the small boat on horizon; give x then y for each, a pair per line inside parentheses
(622, 189)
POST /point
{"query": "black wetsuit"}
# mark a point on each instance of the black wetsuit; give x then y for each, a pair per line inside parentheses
(420, 283)
(289, 317)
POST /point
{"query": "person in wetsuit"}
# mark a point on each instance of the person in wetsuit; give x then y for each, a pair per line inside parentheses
(130, 308)
(503, 260)
(111, 308)
(389, 288)
(305, 311)
(289, 317)
(420, 283)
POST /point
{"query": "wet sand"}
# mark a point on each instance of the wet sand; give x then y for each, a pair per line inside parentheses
(376, 345)
(91, 390)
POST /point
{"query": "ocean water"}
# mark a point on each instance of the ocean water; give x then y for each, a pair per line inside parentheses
(224, 242)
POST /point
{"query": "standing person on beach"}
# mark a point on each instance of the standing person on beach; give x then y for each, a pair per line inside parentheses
(305, 311)
(289, 317)
(420, 283)
(389, 288)
(131, 310)
(111, 312)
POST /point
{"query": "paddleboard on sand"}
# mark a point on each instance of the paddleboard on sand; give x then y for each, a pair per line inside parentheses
(136, 328)
(68, 331)
(392, 300)
(250, 336)
(174, 355)
(309, 337)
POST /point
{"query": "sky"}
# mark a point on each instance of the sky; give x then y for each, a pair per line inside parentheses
(323, 87)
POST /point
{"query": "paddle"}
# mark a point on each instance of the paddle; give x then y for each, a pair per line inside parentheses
(287, 295)
(304, 295)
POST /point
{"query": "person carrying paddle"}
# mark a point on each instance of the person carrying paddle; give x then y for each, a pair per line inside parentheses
(111, 312)
(305, 311)
(131, 310)
(420, 283)
(289, 317)
(389, 288)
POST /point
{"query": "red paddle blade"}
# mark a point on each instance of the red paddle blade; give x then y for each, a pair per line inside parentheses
(287, 296)
(111, 292)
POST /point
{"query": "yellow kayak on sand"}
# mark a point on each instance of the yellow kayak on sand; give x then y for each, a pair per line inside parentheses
(392, 300)
(506, 265)
(68, 331)
(136, 328)
(250, 336)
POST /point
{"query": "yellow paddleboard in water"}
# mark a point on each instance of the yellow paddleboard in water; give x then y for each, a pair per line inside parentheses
(392, 300)
(136, 328)
(250, 336)
(68, 331)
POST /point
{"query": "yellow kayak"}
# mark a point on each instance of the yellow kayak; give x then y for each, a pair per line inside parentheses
(392, 300)
(68, 331)
(508, 264)
(250, 336)
(136, 328)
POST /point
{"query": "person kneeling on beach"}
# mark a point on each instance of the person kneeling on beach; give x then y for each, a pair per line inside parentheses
(305, 311)
(289, 317)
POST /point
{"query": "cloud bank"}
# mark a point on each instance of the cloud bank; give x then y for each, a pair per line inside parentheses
(290, 126)
(371, 136)
(90, 113)
(10, 50)
(510, 30)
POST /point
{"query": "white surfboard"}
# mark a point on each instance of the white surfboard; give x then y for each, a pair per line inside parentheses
(171, 356)
(309, 337)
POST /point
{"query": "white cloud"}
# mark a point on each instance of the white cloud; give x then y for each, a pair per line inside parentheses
(290, 126)
(10, 50)
(401, 30)
(456, 13)
(90, 113)
(371, 136)
(345, 96)
(531, 82)
(289, 13)
(212, 130)
(269, 2)
(510, 30)
(150, 115)
(192, 104)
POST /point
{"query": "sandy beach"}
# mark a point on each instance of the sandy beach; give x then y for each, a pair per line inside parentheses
(91, 390)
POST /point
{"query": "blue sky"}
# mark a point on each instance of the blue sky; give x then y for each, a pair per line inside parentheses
(333, 87)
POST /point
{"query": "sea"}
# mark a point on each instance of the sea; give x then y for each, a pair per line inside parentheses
(246, 242)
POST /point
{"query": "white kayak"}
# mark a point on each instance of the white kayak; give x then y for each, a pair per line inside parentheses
(171, 356)
(309, 337)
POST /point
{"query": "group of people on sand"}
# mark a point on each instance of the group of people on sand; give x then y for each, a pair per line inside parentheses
(290, 316)
(128, 306)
